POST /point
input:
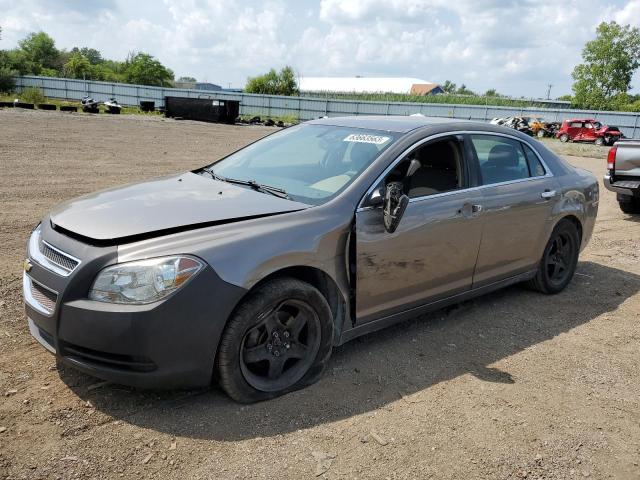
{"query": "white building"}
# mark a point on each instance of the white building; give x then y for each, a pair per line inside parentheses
(405, 85)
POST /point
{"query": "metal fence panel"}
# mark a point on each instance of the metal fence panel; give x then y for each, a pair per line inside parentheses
(306, 108)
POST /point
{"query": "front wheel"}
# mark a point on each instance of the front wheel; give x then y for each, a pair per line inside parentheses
(599, 141)
(559, 260)
(279, 340)
(541, 133)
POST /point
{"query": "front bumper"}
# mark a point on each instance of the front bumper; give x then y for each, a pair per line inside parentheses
(167, 344)
(631, 188)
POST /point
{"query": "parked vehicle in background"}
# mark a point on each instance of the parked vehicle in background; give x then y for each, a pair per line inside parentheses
(623, 174)
(541, 128)
(89, 105)
(251, 269)
(113, 106)
(588, 130)
(534, 126)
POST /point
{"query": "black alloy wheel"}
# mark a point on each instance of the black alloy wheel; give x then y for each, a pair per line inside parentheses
(559, 260)
(278, 340)
(281, 347)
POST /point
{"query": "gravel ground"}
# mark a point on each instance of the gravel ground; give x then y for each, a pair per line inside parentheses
(511, 385)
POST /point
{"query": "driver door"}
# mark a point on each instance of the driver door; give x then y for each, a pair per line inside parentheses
(432, 253)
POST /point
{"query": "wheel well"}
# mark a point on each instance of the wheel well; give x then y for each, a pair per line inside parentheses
(324, 283)
(573, 219)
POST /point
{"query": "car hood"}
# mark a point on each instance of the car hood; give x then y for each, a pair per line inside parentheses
(164, 205)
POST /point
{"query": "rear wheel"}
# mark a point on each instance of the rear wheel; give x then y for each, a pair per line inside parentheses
(564, 138)
(279, 340)
(632, 205)
(559, 260)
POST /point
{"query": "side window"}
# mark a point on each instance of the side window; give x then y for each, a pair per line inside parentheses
(441, 169)
(535, 167)
(501, 159)
(575, 125)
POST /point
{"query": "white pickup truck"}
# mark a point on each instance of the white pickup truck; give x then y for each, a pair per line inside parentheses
(623, 174)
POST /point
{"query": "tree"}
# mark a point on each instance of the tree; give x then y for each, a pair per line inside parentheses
(463, 90)
(40, 50)
(274, 83)
(491, 93)
(609, 62)
(7, 82)
(143, 69)
(91, 54)
(186, 79)
(449, 87)
(78, 66)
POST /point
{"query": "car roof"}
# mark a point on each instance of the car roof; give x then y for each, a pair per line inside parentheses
(389, 123)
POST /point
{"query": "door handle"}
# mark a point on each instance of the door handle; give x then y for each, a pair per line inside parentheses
(548, 194)
(469, 210)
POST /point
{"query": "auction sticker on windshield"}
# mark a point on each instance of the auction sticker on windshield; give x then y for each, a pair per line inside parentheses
(362, 138)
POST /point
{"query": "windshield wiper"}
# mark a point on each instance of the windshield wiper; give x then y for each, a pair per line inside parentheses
(278, 192)
(214, 175)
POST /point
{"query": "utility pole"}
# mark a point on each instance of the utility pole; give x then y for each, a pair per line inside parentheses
(549, 91)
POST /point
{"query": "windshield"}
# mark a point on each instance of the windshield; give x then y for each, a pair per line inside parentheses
(312, 163)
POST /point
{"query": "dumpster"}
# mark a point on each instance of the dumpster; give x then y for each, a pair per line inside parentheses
(203, 109)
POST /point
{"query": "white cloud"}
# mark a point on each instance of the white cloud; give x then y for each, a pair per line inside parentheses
(516, 46)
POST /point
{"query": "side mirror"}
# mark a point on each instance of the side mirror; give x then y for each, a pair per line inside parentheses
(395, 203)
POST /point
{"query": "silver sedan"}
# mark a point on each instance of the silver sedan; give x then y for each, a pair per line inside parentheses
(250, 270)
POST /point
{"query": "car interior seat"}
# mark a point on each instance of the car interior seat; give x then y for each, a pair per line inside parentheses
(438, 170)
(503, 165)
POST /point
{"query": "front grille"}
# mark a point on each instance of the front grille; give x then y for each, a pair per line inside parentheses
(114, 361)
(59, 258)
(45, 297)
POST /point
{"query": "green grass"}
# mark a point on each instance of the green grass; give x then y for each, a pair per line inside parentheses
(576, 149)
(445, 98)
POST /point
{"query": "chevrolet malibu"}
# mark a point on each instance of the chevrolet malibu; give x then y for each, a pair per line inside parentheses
(248, 271)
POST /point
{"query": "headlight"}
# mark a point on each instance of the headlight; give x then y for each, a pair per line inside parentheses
(34, 240)
(144, 281)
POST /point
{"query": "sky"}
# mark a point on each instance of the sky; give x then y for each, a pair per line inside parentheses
(518, 47)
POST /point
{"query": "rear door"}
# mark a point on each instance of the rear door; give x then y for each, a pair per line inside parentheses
(432, 253)
(518, 196)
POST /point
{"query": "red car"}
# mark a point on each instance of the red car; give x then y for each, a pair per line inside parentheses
(588, 130)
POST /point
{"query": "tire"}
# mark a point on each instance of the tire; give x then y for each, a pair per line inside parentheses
(599, 141)
(283, 326)
(632, 206)
(564, 138)
(540, 134)
(559, 260)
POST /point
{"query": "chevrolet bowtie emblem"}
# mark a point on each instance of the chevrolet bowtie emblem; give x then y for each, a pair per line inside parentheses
(27, 266)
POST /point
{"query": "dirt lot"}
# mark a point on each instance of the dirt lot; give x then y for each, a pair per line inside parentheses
(512, 385)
